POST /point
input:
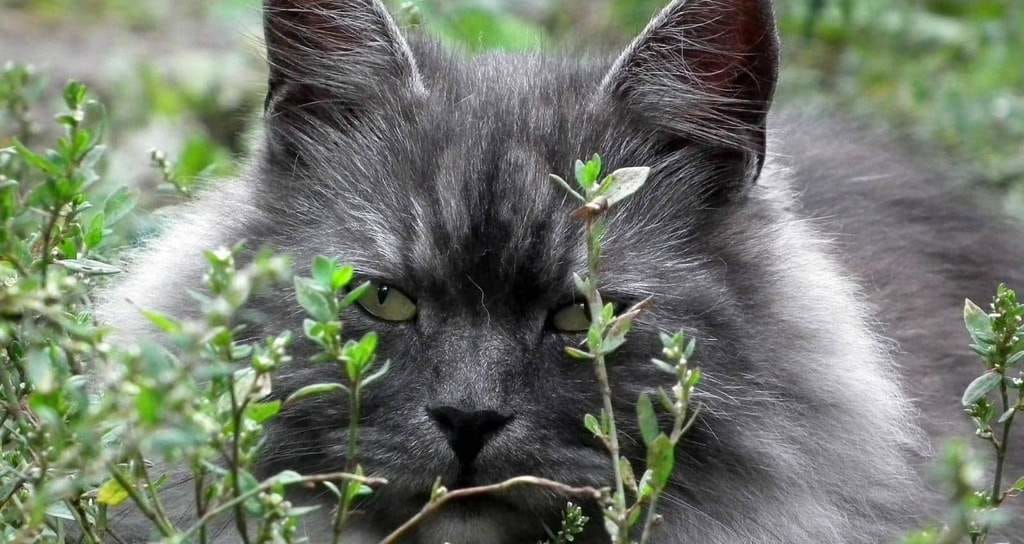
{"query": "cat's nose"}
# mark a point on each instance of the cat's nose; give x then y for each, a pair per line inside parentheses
(468, 431)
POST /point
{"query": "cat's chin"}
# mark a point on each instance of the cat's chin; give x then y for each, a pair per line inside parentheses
(455, 527)
(467, 521)
(483, 519)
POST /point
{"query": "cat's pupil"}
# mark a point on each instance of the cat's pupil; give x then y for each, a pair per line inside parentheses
(382, 294)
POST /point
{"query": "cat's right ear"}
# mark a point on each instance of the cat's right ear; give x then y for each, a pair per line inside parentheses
(331, 58)
(704, 70)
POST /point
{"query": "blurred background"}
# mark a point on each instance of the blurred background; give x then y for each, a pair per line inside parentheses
(186, 76)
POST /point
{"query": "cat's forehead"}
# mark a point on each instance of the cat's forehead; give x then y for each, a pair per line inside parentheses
(480, 200)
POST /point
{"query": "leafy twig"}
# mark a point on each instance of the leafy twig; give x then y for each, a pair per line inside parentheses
(287, 480)
(442, 497)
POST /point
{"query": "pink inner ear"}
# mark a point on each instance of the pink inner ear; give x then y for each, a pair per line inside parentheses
(724, 45)
(316, 24)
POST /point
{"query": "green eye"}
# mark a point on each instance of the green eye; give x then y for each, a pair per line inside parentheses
(388, 303)
(572, 318)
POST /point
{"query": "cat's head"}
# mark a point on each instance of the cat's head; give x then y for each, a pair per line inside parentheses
(428, 170)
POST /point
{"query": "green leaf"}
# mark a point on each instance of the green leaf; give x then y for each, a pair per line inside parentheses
(978, 323)
(588, 172)
(74, 95)
(594, 167)
(313, 391)
(355, 491)
(665, 401)
(616, 336)
(578, 354)
(36, 161)
(1007, 414)
(323, 270)
(312, 299)
(694, 379)
(300, 511)
(660, 460)
(592, 425)
(333, 489)
(1015, 359)
(60, 510)
(377, 375)
(1019, 486)
(355, 295)
(118, 205)
(148, 404)
(364, 351)
(624, 182)
(341, 278)
(261, 412)
(648, 420)
(981, 387)
(557, 180)
(582, 285)
(89, 267)
(608, 313)
(41, 373)
(331, 276)
(664, 367)
(580, 172)
(111, 493)
(628, 477)
(594, 339)
(94, 234)
(287, 477)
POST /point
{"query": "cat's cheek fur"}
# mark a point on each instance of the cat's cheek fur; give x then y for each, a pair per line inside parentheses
(429, 170)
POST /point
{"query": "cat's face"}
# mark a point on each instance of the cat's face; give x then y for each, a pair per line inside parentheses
(429, 172)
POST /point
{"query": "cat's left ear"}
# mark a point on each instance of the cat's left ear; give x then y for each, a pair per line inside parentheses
(330, 58)
(704, 70)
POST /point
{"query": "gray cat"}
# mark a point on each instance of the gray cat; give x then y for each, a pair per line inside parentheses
(823, 277)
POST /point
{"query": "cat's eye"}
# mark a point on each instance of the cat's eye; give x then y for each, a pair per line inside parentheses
(388, 303)
(571, 318)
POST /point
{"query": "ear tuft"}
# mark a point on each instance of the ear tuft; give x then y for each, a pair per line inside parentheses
(341, 51)
(704, 70)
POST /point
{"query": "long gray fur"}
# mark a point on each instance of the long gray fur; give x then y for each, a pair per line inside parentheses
(823, 276)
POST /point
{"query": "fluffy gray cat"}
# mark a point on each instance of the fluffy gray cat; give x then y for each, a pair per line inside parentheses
(824, 277)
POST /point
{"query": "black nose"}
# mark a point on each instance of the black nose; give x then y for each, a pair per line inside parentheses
(468, 432)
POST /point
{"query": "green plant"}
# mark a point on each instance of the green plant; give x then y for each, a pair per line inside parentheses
(607, 334)
(84, 419)
(998, 338)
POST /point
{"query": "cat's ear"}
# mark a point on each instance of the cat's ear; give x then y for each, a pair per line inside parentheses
(332, 57)
(704, 70)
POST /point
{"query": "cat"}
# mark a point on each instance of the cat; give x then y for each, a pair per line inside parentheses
(822, 276)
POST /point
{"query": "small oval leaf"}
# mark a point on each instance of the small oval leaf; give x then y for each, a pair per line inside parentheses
(316, 390)
(625, 182)
(978, 323)
(648, 421)
(981, 387)
(111, 494)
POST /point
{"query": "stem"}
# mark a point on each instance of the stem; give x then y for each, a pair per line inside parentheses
(997, 480)
(341, 516)
(75, 505)
(199, 481)
(158, 507)
(236, 488)
(17, 486)
(162, 525)
(649, 520)
(433, 506)
(269, 484)
(48, 240)
(601, 370)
